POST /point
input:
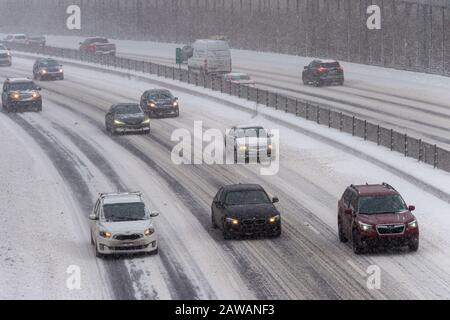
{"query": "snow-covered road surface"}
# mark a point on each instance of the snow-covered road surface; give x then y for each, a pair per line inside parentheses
(67, 144)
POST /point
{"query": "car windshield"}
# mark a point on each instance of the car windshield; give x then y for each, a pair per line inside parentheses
(252, 132)
(381, 204)
(240, 77)
(124, 212)
(22, 86)
(162, 95)
(127, 109)
(50, 63)
(245, 197)
(330, 65)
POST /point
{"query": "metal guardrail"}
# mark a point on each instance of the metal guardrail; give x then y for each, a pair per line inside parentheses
(410, 147)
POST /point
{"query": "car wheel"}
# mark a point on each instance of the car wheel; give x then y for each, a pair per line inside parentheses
(235, 156)
(213, 222)
(414, 245)
(226, 234)
(342, 237)
(277, 234)
(357, 245)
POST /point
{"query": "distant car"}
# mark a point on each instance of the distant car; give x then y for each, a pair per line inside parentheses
(121, 223)
(249, 142)
(239, 78)
(186, 53)
(47, 68)
(376, 215)
(20, 94)
(36, 40)
(126, 117)
(322, 72)
(16, 38)
(245, 209)
(159, 103)
(210, 57)
(98, 45)
(5, 56)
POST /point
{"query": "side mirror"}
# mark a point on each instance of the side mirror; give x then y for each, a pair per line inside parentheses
(348, 211)
(275, 200)
(93, 217)
(412, 208)
(154, 214)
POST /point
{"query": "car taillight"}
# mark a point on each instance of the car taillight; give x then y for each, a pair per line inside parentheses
(322, 70)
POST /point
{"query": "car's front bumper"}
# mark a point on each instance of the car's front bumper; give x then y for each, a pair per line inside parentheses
(25, 104)
(254, 227)
(112, 246)
(52, 75)
(374, 239)
(132, 128)
(163, 111)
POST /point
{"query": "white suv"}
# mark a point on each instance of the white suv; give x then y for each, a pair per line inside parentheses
(121, 223)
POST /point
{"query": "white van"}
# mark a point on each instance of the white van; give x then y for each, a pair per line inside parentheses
(210, 57)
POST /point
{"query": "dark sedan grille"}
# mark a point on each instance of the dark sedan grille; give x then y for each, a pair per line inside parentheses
(123, 237)
(253, 225)
(391, 228)
(133, 121)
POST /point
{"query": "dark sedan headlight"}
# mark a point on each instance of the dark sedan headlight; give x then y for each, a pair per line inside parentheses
(146, 121)
(43, 71)
(118, 122)
(274, 219)
(15, 95)
(232, 221)
(175, 104)
(152, 104)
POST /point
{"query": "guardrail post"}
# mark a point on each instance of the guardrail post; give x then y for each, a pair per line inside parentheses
(267, 98)
(286, 105)
(204, 80)
(392, 139)
(276, 101)
(353, 125)
(196, 79)
(365, 130)
(420, 150)
(435, 160)
(329, 118)
(296, 107)
(406, 145)
(318, 114)
(257, 95)
(378, 134)
(221, 85)
(341, 121)
(307, 111)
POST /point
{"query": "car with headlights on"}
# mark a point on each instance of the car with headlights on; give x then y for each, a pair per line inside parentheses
(376, 216)
(249, 142)
(47, 69)
(322, 72)
(160, 103)
(126, 117)
(20, 94)
(245, 209)
(36, 40)
(5, 57)
(121, 223)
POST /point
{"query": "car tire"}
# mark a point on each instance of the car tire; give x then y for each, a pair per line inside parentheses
(414, 246)
(235, 156)
(277, 234)
(97, 253)
(357, 246)
(213, 222)
(341, 234)
(225, 233)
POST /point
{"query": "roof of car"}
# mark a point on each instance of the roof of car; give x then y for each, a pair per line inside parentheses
(327, 61)
(17, 80)
(375, 189)
(242, 187)
(114, 198)
(249, 126)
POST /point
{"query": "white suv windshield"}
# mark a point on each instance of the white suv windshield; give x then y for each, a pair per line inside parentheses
(124, 212)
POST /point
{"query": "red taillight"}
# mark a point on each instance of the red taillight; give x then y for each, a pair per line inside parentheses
(322, 70)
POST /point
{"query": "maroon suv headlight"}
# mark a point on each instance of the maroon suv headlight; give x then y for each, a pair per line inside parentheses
(364, 226)
(413, 225)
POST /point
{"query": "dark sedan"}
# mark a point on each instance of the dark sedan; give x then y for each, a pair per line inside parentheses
(160, 103)
(245, 209)
(126, 117)
(47, 69)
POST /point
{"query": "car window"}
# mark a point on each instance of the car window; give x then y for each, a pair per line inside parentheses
(160, 95)
(127, 109)
(381, 204)
(246, 197)
(22, 86)
(124, 212)
(330, 65)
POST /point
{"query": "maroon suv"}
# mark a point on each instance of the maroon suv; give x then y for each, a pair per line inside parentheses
(376, 215)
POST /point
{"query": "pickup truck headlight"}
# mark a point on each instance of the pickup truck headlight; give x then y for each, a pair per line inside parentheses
(274, 218)
(15, 95)
(413, 224)
(105, 234)
(148, 232)
(232, 221)
(118, 122)
(364, 226)
(146, 121)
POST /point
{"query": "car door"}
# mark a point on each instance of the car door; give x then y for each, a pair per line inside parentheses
(215, 208)
(347, 218)
(4, 93)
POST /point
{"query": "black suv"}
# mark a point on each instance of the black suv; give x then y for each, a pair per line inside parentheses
(46, 68)
(160, 102)
(126, 117)
(321, 72)
(245, 209)
(21, 94)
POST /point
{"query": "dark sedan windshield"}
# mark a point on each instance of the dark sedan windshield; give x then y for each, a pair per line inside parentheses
(127, 109)
(381, 204)
(160, 95)
(23, 86)
(124, 212)
(50, 63)
(245, 197)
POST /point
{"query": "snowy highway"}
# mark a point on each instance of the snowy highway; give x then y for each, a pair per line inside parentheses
(56, 162)
(410, 102)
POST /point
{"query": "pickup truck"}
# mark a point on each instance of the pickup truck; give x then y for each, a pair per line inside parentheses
(98, 45)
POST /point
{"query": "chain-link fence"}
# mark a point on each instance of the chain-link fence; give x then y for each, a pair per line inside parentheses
(389, 138)
(413, 34)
